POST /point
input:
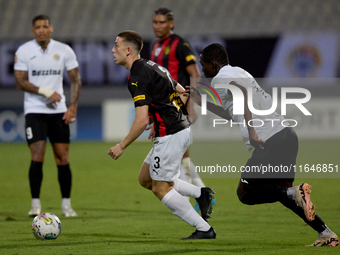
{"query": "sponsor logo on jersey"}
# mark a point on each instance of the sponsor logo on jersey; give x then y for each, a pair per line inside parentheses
(176, 100)
(174, 94)
(151, 63)
(46, 72)
(33, 57)
(140, 97)
(244, 181)
(157, 51)
(134, 83)
(56, 57)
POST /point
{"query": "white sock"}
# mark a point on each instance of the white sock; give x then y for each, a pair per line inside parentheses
(326, 232)
(187, 189)
(291, 193)
(185, 161)
(183, 176)
(35, 202)
(185, 170)
(180, 207)
(66, 201)
(195, 178)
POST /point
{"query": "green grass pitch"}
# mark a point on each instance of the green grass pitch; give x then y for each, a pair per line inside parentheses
(117, 216)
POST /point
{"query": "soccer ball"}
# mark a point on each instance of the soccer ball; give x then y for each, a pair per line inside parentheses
(46, 226)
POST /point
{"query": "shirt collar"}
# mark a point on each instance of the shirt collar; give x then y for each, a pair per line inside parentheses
(135, 64)
(48, 46)
(224, 67)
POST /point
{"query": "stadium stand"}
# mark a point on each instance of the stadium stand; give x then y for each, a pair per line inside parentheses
(100, 19)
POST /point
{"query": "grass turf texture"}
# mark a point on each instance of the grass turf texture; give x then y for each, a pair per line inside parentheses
(117, 216)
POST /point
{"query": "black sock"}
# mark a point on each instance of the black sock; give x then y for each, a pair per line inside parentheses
(317, 224)
(35, 176)
(263, 194)
(65, 180)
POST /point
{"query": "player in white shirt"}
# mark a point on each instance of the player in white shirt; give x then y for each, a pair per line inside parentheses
(38, 69)
(273, 143)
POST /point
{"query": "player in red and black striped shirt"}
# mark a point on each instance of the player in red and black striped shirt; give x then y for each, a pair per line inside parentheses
(158, 96)
(172, 51)
(151, 84)
(175, 53)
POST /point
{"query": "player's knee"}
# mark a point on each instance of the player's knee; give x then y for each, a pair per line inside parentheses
(144, 178)
(240, 191)
(244, 197)
(239, 195)
(37, 158)
(155, 190)
(61, 160)
(159, 191)
(144, 183)
(38, 151)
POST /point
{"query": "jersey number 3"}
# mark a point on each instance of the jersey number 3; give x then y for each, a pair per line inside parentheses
(156, 165)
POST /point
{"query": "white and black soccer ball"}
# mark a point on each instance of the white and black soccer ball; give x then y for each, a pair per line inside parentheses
(46, 226)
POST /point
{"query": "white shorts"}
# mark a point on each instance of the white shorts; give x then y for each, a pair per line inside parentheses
(166, 155)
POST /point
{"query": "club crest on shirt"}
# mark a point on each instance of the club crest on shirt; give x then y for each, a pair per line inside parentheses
(56, 57)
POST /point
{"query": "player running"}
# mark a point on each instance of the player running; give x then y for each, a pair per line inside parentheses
(176, 54)
(274, 144)
(159, 97)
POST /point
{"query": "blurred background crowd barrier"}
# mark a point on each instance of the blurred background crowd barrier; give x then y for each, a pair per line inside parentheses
(268, 38)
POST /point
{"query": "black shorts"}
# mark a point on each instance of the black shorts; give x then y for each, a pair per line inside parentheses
(276, 162)
(39, 126)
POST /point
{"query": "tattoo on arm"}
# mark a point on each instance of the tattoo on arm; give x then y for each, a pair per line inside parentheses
(22, 83)
(75, 85)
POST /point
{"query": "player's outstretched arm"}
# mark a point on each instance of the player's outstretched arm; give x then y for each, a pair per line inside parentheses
(137, 128)
(218, 110)
(71, 113)
(183, 94)
(22, 83)
(194, 74)
(253, 137)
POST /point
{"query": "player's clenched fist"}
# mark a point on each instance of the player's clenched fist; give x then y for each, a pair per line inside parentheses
(116, 151)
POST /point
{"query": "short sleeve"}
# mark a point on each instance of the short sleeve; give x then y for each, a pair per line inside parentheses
(20, 62)
(185, 53)
(222, 92)
(140, 90)
(174, 84)
(70, 59)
